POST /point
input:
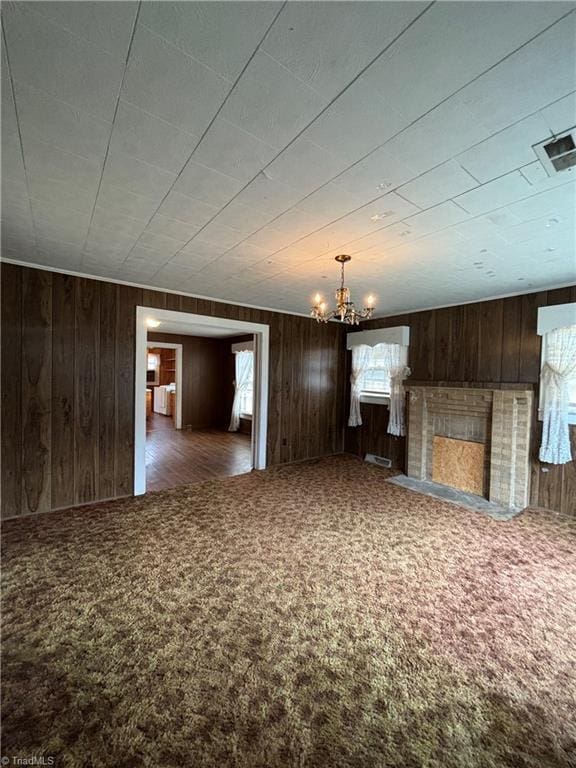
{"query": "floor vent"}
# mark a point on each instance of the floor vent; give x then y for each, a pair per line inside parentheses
(559, 154)
(381, 461)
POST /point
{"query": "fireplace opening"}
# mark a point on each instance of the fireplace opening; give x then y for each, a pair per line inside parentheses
(460, 464)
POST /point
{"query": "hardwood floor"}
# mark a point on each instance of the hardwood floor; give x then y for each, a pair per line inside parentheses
(179, 457)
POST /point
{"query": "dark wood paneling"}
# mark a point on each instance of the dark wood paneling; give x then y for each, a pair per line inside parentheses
(36, 391)
(107, 404)
(11, 364)
(511, 337)
(128, 299)
(441, 344)
(424, 331)
(489, 343)
(275, 400)
(86, 375)
(63, 396)
(529, 365)
(68, 411)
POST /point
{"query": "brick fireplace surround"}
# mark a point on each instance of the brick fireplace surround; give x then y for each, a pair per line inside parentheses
(498, 418)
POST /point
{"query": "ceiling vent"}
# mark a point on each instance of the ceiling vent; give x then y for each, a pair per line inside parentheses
(559, 154)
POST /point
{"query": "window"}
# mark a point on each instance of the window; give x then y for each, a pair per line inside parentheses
(554, 352)
(375, 382)
(247, 393)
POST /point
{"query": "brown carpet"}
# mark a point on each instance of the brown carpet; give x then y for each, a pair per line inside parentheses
(305, 616)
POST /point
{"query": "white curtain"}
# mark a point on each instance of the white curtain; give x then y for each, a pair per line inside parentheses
(361, 359)
(558, 369)
(244, 368)
(394, 357)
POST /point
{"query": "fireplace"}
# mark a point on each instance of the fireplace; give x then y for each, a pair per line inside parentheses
(474, 439)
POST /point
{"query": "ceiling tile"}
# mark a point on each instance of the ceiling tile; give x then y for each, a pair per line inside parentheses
(69, 232)
(434, 219)
(12, 162)
(268, 195)
(540, 180)
(42, 209)
(509, 93)
(195, 257)
(327, 44)
(247, 253)
(332, 200)
(53, 60)
(52, 121)
(114, 222)
(106, 25)
(243, 218)
(507, 150)
(495, 194)
(296, 223)
(436, 186)
(360, 113)
(441, 134)
(151, 139)
(203, 249)
(377, 174)
(167, 83)
(230, 150)
(219, 234)
(9, 120)
(270, 103)
(561, 115)
(107, 239)
(222, 36)
(127, 172)
(128, 203)
(452, 44)
(560, 200)
(64, 193)
(305, 166)
(47, 162)
(160, 244)
(186, 209)
(206, 185)
(178, 230)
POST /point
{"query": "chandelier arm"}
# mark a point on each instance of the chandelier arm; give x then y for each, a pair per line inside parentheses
(345, 310)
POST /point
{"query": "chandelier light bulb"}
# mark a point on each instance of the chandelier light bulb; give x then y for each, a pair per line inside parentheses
(345, 310)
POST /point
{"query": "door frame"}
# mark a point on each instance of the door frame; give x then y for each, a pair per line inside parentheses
(178, 377)
(261, 333)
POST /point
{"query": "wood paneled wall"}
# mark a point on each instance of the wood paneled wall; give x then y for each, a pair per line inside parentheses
(207, 379)
(68, 349)
(488, 342)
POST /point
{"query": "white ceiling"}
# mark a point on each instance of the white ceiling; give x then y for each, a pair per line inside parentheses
(192, 329)
(232, 149)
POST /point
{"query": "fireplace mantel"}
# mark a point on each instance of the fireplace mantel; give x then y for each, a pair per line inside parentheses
(500, 418)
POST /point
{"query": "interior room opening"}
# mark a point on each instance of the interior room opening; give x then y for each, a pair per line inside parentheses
(201, 387)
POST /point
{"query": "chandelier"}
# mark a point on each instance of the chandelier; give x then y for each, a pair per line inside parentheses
(345, 310)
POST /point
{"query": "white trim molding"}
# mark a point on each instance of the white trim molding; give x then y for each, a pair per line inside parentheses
(555, 316)
(400, 334)
(261, 334)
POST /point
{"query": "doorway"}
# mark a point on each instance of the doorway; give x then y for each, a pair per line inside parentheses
(184, 446)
